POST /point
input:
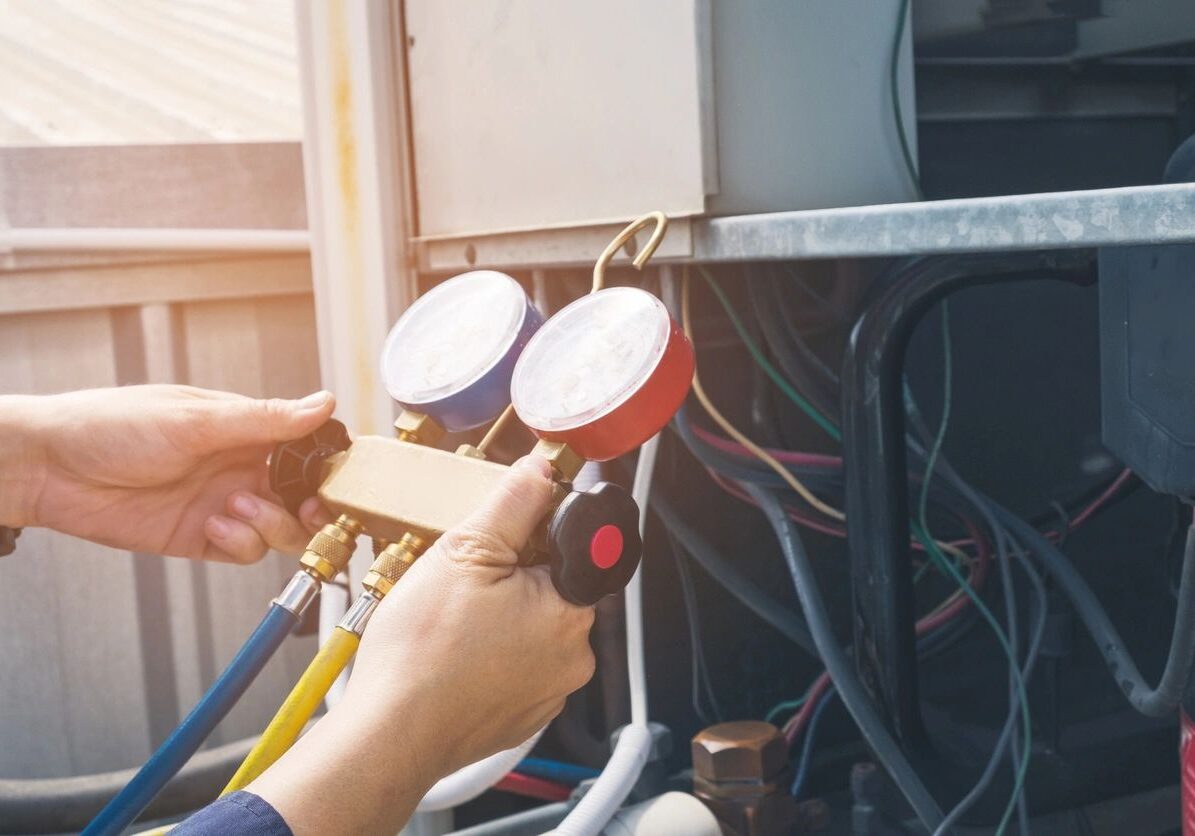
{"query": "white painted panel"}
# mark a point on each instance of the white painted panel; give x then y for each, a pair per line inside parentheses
(531, 113)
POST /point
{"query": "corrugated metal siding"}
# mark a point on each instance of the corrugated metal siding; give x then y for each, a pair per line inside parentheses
(81, 72)
(104, 651)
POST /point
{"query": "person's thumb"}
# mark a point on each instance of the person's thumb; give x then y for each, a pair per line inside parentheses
(243, 421)
(498, 530)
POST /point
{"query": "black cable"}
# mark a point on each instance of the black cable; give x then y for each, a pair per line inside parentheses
(66, 805)
(841, 670)
(700, 677)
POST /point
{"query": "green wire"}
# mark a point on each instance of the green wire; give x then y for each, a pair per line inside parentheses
(793, 395)
(946, 566)
(901, 20)
(923, 534)
(922, 531)
(786, 707)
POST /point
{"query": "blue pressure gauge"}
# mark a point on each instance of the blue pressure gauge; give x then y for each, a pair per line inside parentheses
(452, 353)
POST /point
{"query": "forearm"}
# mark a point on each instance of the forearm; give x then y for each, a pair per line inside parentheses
(352, 773)
(22, 458)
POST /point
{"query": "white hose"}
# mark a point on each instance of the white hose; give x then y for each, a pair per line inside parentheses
(468, 783)
(631, 752)
(471, 781)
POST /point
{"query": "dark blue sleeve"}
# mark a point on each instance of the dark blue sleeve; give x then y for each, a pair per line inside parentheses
(240, 813)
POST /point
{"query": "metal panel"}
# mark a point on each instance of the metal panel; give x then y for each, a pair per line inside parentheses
(803, 103)
(528, 114)
(1095, 218)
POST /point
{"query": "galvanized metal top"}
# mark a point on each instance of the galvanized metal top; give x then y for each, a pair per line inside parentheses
(1136, 215)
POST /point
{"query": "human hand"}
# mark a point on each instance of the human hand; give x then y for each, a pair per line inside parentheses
(170, 470)
(492, 645)
(469, 654)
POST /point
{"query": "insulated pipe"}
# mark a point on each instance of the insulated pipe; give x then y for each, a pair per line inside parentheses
(471, 781)
(631, 752)
(185, 740)
(101, 239)
(66, 805)
(875, 468)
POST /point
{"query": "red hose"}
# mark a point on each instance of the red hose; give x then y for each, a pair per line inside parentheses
(526, 785)
(1186, 751)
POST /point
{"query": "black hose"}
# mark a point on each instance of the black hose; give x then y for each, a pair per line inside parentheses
(787, 623)
(66, 805)
(1152, 702)
(842, 672)
(874, 445)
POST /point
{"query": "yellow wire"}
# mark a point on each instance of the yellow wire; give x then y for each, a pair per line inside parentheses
(298, 708)
(760, 453)
(731, 430)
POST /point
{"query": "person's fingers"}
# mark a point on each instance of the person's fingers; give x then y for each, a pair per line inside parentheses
(499, 529)
(278, 529)
(314, 515)
(221, 423)
(235, 539)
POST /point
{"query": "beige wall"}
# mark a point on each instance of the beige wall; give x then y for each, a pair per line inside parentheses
(104, 651)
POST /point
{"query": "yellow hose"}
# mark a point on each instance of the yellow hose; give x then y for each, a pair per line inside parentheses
(298, 708)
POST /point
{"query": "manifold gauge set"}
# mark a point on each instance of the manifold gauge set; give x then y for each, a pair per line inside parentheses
(593, 382)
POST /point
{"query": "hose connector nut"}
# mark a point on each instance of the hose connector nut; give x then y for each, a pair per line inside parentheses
(740, 771)
(391, 564)
(329, 551)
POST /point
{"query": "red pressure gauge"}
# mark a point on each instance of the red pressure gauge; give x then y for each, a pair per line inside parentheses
(604, 374)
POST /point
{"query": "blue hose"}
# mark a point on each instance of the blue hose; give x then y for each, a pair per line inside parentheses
(558, 771)
(185, 740)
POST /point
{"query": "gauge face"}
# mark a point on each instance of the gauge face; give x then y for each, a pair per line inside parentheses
(454, 339)
(591, 357)
(611, 366)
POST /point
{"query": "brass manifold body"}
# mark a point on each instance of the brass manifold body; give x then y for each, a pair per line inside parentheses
(404, 494)
(396, 489)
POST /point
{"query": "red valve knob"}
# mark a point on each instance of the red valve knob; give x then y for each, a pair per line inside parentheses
(594, 544)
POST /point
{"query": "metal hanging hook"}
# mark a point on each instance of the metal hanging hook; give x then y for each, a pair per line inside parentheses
(661, 227)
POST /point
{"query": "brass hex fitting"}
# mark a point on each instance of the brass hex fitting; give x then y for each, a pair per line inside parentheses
(747, 750)
(417, 428)
(392, 564)
(566, 464)
(470, 451)
(330, 549)
(740, 771)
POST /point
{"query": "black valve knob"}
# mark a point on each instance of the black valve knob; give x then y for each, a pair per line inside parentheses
(295, 466)
(594, 544)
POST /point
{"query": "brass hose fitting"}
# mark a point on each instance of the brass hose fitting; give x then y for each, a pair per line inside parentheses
(329, 551)
(565, 462)
(392, 564)
(417, 428)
